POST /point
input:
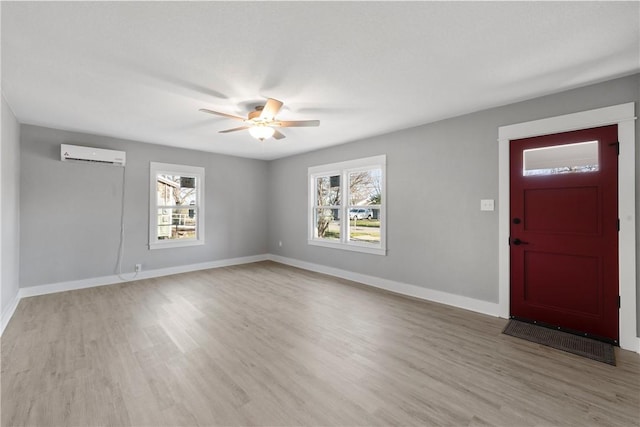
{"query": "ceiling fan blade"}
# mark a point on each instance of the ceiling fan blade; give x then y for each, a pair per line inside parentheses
(234, 129)
(217, 113)
(270, 109)
(297, 123)
(278, 135)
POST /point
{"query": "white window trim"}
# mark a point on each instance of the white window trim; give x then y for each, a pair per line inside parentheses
(622, 115)
(172, 169)
(343, 169)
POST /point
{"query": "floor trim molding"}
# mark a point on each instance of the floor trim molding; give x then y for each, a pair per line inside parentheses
(479, 306)
(71, 285)
(111, 280)
(148, 274)
(7, 314)
(459, 301)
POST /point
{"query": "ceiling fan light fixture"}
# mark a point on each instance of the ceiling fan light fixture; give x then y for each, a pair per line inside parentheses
(261, 132)
(261, 122)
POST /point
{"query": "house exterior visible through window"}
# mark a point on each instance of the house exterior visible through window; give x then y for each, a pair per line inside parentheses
(176, 216)
(346, 205)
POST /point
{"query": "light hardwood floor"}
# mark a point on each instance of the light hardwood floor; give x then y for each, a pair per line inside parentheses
(267, 344)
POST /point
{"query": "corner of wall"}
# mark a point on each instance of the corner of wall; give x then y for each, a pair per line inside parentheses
(9, 210)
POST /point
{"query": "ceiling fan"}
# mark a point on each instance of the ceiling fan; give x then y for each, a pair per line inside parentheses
(262, 122)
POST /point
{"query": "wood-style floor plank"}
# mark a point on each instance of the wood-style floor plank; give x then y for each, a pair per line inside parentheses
(267, 344)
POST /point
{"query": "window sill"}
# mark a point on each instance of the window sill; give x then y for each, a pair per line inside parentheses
(349, 247)
(175, 244)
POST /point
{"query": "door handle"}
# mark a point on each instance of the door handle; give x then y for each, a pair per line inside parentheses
(518, 242)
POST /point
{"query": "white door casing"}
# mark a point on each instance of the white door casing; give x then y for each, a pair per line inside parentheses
(623, 116)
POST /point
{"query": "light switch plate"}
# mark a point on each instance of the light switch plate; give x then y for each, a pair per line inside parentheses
(486, 205)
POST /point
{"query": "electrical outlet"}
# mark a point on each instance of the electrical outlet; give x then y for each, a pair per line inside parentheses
(280, 243)
(138, 268)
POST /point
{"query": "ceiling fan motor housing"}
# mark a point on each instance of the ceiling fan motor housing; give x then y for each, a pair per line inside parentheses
(255, 114)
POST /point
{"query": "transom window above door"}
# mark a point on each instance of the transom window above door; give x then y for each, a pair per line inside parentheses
(561, 159)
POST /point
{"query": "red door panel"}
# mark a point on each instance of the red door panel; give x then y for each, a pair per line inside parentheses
(561, 210)
(570, 272)
(564, 236)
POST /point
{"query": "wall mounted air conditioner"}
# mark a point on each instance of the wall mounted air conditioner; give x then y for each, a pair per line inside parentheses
(77, 153)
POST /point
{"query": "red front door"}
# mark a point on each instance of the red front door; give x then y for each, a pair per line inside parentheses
(564, 231)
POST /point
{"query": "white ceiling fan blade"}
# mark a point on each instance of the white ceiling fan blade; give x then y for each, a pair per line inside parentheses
(297, 123)
(217, 113)
(278, 135)
(234, 129)
(270, 109)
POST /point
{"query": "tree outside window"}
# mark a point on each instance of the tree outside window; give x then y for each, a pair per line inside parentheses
(347, 204)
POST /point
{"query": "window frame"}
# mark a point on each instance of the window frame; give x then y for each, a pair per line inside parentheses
(343, 169)
(155, 169)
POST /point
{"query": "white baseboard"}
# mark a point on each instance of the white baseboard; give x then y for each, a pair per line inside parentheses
(467, 303)
(7, 313)
(479, 306)
(148, 274)
(113, 279)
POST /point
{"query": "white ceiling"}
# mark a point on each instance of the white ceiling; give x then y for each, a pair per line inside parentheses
(141, 70)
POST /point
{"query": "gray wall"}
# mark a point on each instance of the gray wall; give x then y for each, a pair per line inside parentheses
(9, 207)
(70, 226)
(436, 175)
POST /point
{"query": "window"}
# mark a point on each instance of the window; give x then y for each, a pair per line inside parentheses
(346, 205)
(176, 215)
(561, 159)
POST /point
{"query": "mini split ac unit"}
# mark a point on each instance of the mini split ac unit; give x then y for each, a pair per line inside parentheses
(92, 155)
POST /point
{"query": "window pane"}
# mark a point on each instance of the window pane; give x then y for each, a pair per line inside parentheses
(176, 190)
(364, 225)
(328, 191)
(327, 224)
(558, 159)
(176, 218)
(177, 223)
(365, 187)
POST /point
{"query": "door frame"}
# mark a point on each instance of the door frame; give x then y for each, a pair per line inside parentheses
(623, 116)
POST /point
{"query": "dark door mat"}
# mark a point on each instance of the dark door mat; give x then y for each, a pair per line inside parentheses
(582, 346)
